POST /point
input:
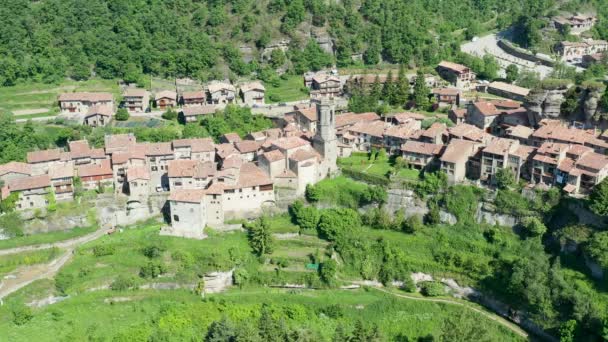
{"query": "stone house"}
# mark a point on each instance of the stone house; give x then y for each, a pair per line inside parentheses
(447, 96)
(158, 156)
(306, 119)
(248, 149)
(195, 113)
(458, 75)
(188, 213)
(42, 161)
(325, 86)
(455, 160)
(421, 155)
(221, 93)
(119, 142)
(201, 149)
(32, 191)
(81, 102)
(165, 99)
(457, 115)
(62, 181)
(136, 100)
(95, 175)
(123, 161)
(138, 180)
(194, 98)
(14, 170)
(434, 134)
(191, 174)
(575, 51)
(252, 93)
(503, 153)
(575, 24)
(98, 116)
(507, 90)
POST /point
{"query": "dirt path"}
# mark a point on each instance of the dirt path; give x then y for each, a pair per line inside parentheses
(59, 244)
(505, 323)
(29, 274)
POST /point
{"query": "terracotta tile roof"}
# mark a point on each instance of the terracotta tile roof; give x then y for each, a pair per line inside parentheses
(405, 131)
(552, 148)
(28, 183)
(188, 196)
(458, 68)
(506, 104)
(44, 156)
(165, 94)
(374, 128)
(79, 149)
(91, 170)
(99, 110)
(519, 131)
(578, 150)
(193, 95)
(247, 146)
(289, 143)
(251, 175)
(198, 110)
(403, 117)
(566, 165)
(347, 119)
(322, 78)
(225, 150)
(191, 168)
(273, 133)
(86, 97)
(435, 129)
(255, 85)
(511, 88)
(216, 86)
(309, 113)
(119, 142)
(458, 151)
(486, 108)
(63, 170)
(231, 137)
(302, 155)
(196, 145)
(134, 152)
(593, 161)
(501, 146)
(158, 149)
(138, 172)
(15, 167)
(561, 133)
(257, 135)
(273, 156)
(134, 92)
(467, 132)
(524, 151)
(411, 146)
(232, 162)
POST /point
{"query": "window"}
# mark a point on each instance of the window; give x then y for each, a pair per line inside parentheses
(31, 204)
(177, 183)
(175, 218)
(154, 168)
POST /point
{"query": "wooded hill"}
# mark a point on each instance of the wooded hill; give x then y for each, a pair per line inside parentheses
(49, 40)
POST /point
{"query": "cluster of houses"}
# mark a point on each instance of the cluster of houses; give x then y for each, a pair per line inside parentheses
(206, 182)
(575, 24)
(486, 136)
(98, 108)
(586, 52)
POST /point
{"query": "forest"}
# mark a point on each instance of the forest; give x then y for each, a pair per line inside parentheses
(50, 40)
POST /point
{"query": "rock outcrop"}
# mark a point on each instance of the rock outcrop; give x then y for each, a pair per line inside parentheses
(543, 103)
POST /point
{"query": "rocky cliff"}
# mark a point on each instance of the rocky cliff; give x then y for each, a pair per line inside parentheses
(544, 103)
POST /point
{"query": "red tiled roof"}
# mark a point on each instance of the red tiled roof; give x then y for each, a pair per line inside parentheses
(458, 150)
(274, 155)
(459, 68)
(352, 118)
(459, 112)
(188, 196)
(99, 110)
(193, 95)
(117, 142)
(593, 161)
(247, 146)
(166, 94)
(467, 132)
(231, 137)
(421, 148)
(501, 146)
(134, 92)
(79, 149)
(289, 143)
(63, 170)
(158, 149)
(374, 128)
(198, 110)
(486, 108)
(519, 131)
(86, 97)
(403, 117)
(302, 155)
(435, 129)
(251, 175)
(44, 156)
(28, 183)
(15, 167)
(91, 170)
(309, 113)
(446, 91)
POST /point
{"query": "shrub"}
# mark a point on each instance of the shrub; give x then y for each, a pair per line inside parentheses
(328, 271)
(512, 203)
(408, 284)
(333, 311)
(21, 314)
(63, 281)
(432, 289)
(412, 224)
(170, 115)
(103, 250)
(153, 251)
(123, 282)
(122, 114)
(534, 227)
(152, 270)
(335, 223)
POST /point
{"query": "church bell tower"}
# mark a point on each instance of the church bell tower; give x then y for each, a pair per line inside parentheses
(325, 141)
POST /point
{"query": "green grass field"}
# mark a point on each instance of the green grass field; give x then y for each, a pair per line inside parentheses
(42, 238)
(9, 263)
(288, 90)
(42, 98)
(181, 315)
(384, 167)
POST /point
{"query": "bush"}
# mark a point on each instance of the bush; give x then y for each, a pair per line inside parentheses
(412, 224)
(123, 282)
(153, 251)
(63, 281)
(512, 203)
(169, 115)
(152, 270)
(335, 223)
(21, 314)
(408, 284)
(432, 289)
(103, 250)
(328, 271)
(122, 114)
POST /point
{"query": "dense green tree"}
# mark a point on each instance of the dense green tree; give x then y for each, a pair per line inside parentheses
(534, 227)
(512, 72)
(491, 67)
(122, 114)
(598, 199)
(505, 178)
(277, 58)
(221, 331)
(463, 328)
(170, 114)
(260, 236)
(597, 248)
(388, 89)
(567, 330)
(271, 329)
(402, 91)
(328, 271)
(335, 223)
(421, 91)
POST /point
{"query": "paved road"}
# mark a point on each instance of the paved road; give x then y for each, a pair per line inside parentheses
(489, 45)
(27, 275)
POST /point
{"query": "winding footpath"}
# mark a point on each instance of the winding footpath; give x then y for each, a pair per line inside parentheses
(496, 318)
(29, 274)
